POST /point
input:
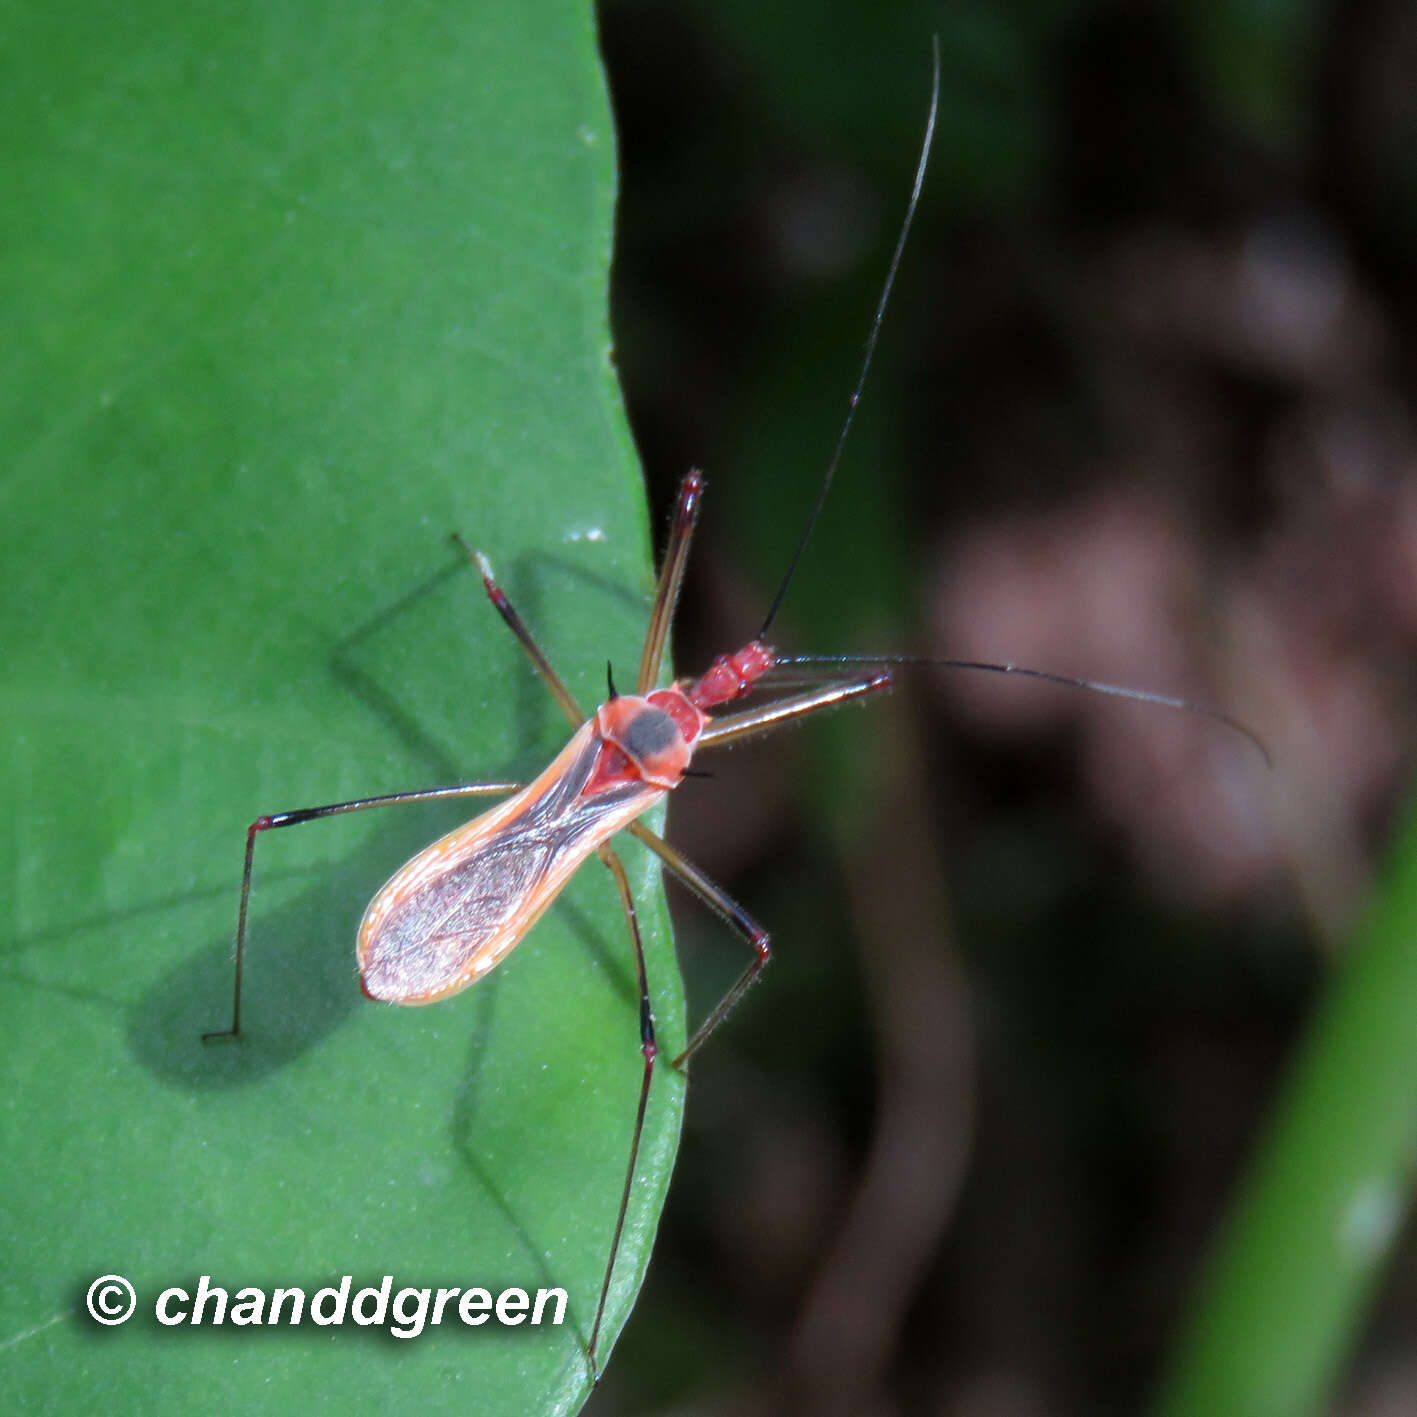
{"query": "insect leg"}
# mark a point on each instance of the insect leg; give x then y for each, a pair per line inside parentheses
(671, 578)
(650, 1050)
(517, 625)
(721, 903)
(310, 814)
(769, 716)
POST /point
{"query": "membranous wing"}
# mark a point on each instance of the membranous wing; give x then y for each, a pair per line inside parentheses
(451, 913)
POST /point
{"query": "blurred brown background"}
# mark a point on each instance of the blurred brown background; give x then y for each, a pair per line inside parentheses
(1141, 411)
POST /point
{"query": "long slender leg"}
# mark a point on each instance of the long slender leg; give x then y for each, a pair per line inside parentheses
(723, 904)
(311, 814)
(769, 716)
(517, 625)
(650, 1050)
(740, 725)
(671, 578)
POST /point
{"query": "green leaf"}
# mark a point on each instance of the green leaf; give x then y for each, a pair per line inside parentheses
(292, 292)
(1317, 1218)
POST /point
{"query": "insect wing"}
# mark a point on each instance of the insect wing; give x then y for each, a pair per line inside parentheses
(451, 913)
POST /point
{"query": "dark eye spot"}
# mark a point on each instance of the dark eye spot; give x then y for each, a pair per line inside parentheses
(650, 732)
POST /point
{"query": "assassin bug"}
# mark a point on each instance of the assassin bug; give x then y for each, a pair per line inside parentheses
(461, 905)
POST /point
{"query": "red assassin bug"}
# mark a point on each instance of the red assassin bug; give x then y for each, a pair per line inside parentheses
(460, 906)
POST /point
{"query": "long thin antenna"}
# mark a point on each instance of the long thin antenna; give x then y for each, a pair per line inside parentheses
(870, 343)
(1068, 681)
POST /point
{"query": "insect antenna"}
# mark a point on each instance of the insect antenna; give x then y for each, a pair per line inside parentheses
(871, 339)
(1068, 681)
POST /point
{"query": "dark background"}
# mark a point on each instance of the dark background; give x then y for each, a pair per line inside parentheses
(1141, 412)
